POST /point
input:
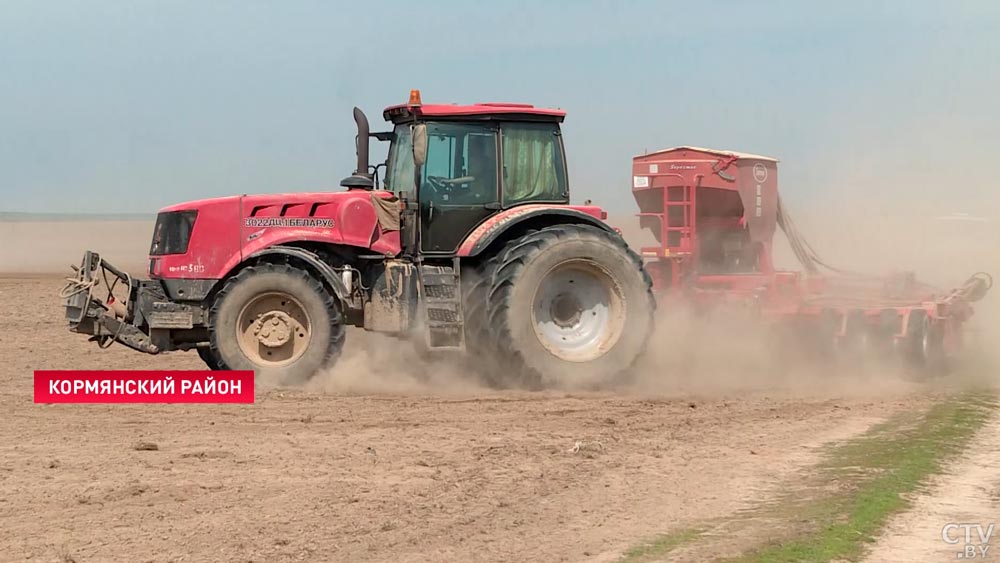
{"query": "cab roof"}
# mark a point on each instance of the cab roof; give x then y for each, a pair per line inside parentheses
(487, 110)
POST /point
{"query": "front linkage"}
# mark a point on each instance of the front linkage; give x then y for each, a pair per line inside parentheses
(134, 320)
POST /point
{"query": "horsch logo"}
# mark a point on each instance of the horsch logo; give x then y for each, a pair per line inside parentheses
(759, 172)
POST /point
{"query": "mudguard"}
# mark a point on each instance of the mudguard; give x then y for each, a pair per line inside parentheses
(329, 274)
(483, 235)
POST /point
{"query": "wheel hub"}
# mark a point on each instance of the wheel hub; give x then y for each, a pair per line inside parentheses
(273, 329)
(566, 310)
(578, 312)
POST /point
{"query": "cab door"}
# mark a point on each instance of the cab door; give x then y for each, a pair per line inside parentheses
(458, 183)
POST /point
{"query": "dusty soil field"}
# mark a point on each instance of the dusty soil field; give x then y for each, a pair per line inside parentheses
(349, 469)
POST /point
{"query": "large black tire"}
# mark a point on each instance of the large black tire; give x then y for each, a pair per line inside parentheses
(481, 354)
(566, 306)
(211, 359)
(307, 334)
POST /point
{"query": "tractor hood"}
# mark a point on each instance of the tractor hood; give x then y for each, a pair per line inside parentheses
(210, 237)
(297, 198)
(198, 204)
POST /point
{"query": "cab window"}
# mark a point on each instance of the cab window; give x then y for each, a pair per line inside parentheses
(400, 170)
(533, 163)
(461, 164)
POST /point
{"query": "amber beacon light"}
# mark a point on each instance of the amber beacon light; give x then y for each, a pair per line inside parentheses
(414, 98)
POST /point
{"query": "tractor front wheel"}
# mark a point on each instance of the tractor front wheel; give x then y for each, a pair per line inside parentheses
(568, 305)
(211, 359)
(278, 321)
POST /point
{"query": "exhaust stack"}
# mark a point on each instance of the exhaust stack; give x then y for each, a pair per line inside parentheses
(361, 179)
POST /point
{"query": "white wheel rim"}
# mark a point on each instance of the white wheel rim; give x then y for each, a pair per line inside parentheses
(578, 311)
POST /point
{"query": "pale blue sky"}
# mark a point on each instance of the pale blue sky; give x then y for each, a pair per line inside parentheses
(130, 106)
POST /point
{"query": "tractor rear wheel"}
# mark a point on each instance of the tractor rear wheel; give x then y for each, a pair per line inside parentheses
(278, 321)
(568, 305)
(476, 285)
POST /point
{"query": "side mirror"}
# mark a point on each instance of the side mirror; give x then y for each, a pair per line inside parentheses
(420, 144)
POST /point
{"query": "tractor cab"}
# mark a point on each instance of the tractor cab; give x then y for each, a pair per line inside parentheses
(454, 166)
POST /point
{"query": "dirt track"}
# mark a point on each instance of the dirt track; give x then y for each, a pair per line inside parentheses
(967, 493)
(437, 474)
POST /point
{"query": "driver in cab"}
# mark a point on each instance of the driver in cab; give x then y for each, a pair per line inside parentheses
(478, 185)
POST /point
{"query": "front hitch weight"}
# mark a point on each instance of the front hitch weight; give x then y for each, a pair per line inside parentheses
(105, 320)
(79, 290)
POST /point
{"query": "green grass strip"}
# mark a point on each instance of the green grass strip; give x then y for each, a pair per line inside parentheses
(657, 547)
(875, 471)
(852, 495)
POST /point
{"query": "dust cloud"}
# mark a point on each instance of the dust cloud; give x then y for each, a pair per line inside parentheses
(734, 353)
(374, 363)
(731, 352)
(927, 237)
(50, 247)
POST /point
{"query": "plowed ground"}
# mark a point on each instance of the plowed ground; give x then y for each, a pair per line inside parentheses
(360, 466)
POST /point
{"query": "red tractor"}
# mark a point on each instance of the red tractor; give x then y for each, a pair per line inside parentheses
(469, 243)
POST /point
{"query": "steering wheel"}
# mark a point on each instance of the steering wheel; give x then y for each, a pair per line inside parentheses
(439, 184)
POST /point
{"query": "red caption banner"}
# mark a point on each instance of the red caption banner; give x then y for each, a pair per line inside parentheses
(97, 386)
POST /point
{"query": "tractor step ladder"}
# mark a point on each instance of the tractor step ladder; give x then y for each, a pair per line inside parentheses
(442, 303)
